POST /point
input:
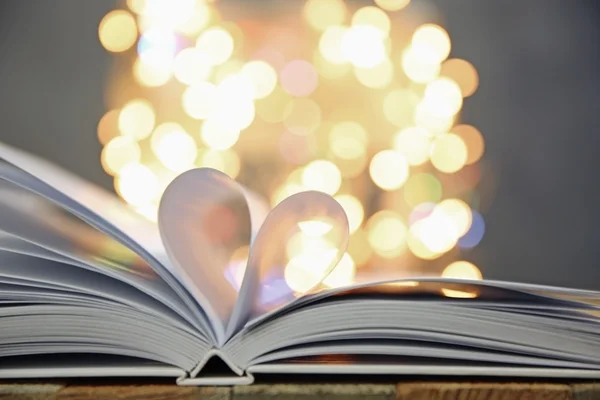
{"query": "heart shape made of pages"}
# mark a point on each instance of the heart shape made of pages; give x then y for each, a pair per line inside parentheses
(206, 222)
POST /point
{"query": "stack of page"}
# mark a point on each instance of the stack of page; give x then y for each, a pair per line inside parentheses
(89, 288)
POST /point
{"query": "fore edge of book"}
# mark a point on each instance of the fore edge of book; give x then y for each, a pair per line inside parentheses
(238, 376)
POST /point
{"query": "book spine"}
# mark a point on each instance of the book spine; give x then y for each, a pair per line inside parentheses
(197, 378)
(246, 379)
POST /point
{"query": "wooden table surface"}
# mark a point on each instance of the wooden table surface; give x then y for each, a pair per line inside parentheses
(324, 391)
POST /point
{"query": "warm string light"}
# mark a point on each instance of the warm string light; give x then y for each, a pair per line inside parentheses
(368, 114)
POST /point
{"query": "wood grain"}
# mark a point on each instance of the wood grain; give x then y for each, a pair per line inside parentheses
(35, 391)
(586, 391)
(312, 391)
(401, 391)
(483, 391)
(145, 392)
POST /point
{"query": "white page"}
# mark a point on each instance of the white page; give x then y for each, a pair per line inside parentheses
(14, 292)
(320, 223)
(418, 350)
(40, 329)
(423, 321)
(417, 284)
(410, 368)
(85, 366)
(45, 226)
(204, 219)
(99, 209)
(82, 281)
(102, 203)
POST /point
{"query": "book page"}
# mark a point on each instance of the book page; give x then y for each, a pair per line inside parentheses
(102, 211)
(106, 205)
(299, 243)
(35, 329)
(438, 286)
(206, 228)
(78, 280)
(499, 322)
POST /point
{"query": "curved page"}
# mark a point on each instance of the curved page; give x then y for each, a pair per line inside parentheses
(100, 210)
(204, 222)
(298, 245)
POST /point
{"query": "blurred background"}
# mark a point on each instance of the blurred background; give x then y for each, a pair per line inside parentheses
(352, 121)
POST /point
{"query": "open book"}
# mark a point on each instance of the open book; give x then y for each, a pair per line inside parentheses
(90, 288)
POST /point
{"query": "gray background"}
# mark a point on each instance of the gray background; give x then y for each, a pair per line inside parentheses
(537, 105)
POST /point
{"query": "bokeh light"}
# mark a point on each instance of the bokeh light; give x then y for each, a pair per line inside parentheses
(442, 98)
(230, 67)
(233, 103)
(448, 153)
(458, 212)
(217, 44)
(392, 5)
(475, 233)
(389, 169)
(322, 175)
(420, 211)
(359, 248)
(322, 14)
(119, 152)
(226, 161)
(117, 31)
(436, 233)
(297, 149)
(263, 77)
(331, 44)
(387, 234)
(434, 39)
(137, 6)
(463, 73)
(363, 46)
(362, 102)
(273, 107)
(418, 248)
(192, 66)
(199, 100)
(420, 64)
(302, 116)
(219, 136)
(343, 273)
(461, 270)
(422, 188)
(137, 184)
(169, 15)
(414, 143)
(399, 106)
(108, 126)
(352, 168)
(354, 210)
(329, 70)
(157, 47)
(372, 16)
(196, 20)
(348, 140)
(137, 119)
(426, 117)
(378, 77)
(151, 75)
(176, 150)
(473, 140)
(299, 78)
(161, 130)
